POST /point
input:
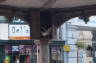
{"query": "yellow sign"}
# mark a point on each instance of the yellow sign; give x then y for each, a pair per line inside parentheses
(66, 48)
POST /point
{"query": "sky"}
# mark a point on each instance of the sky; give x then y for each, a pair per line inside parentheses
(80, 22)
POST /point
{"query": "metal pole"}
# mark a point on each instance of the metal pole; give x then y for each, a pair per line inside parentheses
(77, 56)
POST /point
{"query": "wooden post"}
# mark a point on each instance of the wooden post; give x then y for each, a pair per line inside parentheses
(34, 22)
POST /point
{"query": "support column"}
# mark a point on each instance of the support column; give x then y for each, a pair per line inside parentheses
(43, 55)
(42, 42)
(34, 22)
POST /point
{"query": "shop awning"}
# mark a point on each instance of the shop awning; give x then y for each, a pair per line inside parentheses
(17, 42)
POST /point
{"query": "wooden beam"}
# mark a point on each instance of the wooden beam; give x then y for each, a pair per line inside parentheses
(59, 12)
(2, 0)
(64, 14)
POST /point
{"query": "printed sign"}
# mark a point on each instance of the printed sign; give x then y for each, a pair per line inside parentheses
(15, 48)
(19, 32)
(66, 48)
(3, 31)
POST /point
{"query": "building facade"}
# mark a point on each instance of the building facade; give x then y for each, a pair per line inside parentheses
(74, 32)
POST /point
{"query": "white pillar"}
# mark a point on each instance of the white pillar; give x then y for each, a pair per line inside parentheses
(43, 55)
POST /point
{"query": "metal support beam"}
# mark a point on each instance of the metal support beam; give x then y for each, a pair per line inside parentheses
(2, 54)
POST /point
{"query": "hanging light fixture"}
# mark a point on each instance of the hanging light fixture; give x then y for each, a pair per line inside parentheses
(84, 18)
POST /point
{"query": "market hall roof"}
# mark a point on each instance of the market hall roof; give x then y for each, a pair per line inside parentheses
(59, 11)
(47, 3)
